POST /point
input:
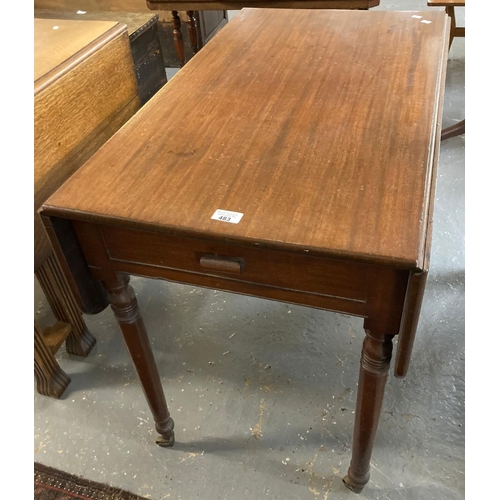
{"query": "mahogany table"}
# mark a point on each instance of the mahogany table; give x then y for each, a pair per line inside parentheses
(304, 176)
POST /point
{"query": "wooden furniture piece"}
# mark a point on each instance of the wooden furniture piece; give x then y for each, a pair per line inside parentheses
(144, 42)
(84, 91)
(449, 6)
(306, 184)
(190, 6)
(192, 32)
(197, 27)
(458, 128)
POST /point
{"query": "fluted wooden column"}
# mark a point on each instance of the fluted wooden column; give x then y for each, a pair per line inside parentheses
(63, 305)
(51, 380)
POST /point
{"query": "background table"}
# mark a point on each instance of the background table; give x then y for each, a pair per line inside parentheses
(332, 174)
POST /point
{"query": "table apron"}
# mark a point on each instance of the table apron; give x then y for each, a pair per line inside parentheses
(331, 303)
(327, 283)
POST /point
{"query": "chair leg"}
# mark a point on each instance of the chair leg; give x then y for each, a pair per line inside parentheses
(51, 380)
(63, 305)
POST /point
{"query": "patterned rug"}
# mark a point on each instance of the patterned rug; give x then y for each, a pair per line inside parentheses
(53, 484)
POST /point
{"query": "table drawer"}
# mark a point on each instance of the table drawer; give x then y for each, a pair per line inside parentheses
(251, 264)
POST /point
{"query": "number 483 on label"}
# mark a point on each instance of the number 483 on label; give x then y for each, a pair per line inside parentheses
(227, 216)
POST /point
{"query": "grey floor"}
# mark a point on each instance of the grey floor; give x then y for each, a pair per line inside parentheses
(263, 393)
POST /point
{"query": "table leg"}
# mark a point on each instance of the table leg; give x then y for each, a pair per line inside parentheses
(51, 380)
(56, 289)
(193, 31)
(375, 360)
(179, 42)
(123, 302)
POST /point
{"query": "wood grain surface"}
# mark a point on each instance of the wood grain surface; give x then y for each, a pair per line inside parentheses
(91, 5)
(267, 4)
(144, 43)
(133, 20)
(318, 126)
(63, 40)
(446, 3)
(144, 5)
(79, 102)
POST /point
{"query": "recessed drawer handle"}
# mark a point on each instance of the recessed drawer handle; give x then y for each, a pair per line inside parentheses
(221, 263)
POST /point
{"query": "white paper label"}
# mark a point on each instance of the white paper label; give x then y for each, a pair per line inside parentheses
(227, 216)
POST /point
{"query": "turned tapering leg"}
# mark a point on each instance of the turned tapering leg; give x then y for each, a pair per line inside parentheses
(63, 305)
(178, 41)
(51, 380)
(193, 31)
(375, 360)
(123, 302)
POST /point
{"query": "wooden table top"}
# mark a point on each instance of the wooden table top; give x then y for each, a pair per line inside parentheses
(94, 5)
(143, 5)
(318, 126)
(57, 41)
(133, 20)
(278, 4)
(446, 3)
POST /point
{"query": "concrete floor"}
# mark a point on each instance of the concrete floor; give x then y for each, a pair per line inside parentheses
(263, 393)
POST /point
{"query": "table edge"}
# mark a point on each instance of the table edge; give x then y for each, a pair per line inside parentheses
(106, 220)
(63, 68)
(239, 5)
(434, 151)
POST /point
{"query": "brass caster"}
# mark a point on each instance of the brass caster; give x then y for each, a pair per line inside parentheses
(355, 488)
(164, 442)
